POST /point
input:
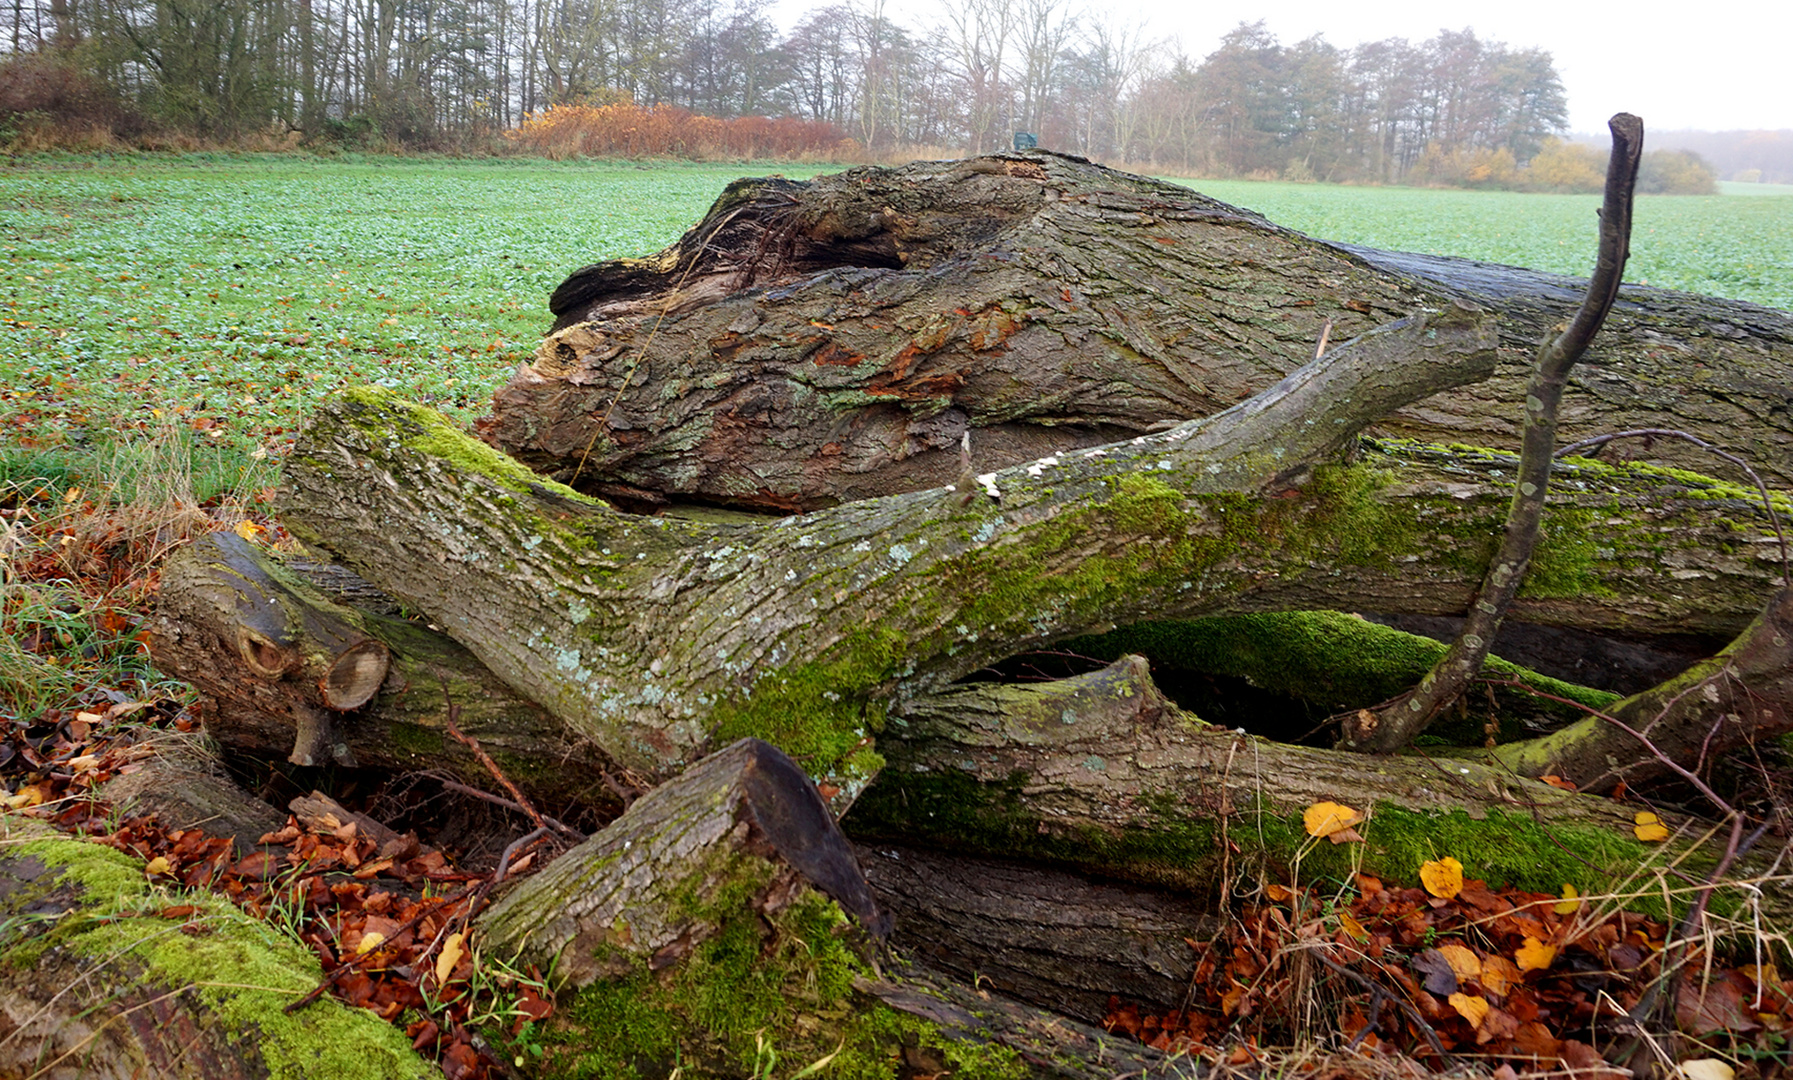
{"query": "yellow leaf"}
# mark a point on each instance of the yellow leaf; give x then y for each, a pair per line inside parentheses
(449, 957)
(1326, 818)
(158, 865)
(370, 941)
(1534, 955)
(1442, 878)
(1465, 965)
(1705, 1069)
(1277, 893)
(1570, 904)
(1352, 928)
(1471, 1007)
(1649, 828)
(249, 530)
(1499, 975)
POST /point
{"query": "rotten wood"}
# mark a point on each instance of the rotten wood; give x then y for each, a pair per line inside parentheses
(823, 341)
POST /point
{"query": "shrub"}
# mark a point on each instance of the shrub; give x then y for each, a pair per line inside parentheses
(1566, 167)
(1675, 172)
(48, 101)
(629, 130)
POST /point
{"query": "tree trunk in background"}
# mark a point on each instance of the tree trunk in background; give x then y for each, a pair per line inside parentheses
(814, 342)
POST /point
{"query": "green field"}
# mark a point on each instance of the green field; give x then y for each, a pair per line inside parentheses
(1721, 245)
(219, 298)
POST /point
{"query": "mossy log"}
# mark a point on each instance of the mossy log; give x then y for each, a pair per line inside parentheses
(259, 637)
(657, 638)
(815, 342)
(706, 930)
(1711, 711)
(107, 976)
(1102, 773)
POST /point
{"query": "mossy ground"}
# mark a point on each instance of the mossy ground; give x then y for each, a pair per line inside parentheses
(241, 968)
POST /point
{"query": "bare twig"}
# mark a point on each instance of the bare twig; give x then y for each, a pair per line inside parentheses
(1392, 728)
(523, 803)
(498, 800)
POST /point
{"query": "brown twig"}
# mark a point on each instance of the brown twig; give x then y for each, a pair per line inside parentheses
(523, 803)
(1413, 1014)
(498, 800)
(1390, 729)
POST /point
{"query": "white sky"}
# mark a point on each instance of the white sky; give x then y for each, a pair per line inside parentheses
(1718, 68)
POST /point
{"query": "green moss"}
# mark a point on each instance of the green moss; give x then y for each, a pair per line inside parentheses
(239, 967)
(1332, 660)
(820, 712)
(954, 810)
(1566, 561)
(957, 811)
(785, 982)
(1501, 849)
(416, 739)
(429, 432)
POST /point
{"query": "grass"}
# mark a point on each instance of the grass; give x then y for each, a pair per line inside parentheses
(229, 295)
(1720, 245)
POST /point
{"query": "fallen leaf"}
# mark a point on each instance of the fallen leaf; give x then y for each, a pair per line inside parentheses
(1277, 893)
(1465, 964)
(1705, 1069)
(1534, 955)
(1442, 878)
(158, 865)
(451, 954)
(1570, 902)
(1352, 928)
(1718, 1006)
(1649, 827)
(1499, 975)
(1345, 836)
(1440, 977)
(1326, 818)
(1558, 782)
(1471, 1007)
(370, 941)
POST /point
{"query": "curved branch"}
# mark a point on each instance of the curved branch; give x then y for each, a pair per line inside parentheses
(1394, 726)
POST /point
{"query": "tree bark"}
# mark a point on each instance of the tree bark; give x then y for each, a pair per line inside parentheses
(259, 640)
(706, 890)
(1714, 709)
(811, 343)
(654, 637)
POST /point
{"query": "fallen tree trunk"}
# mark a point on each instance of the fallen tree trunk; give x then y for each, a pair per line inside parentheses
(652, 636)
(811, 343)
(261, 642)
(107, 975)
(704, 930)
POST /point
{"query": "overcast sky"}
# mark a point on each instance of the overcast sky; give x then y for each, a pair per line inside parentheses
(1718, 68)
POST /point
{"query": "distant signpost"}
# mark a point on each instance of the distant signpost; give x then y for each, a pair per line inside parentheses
(1026, 140)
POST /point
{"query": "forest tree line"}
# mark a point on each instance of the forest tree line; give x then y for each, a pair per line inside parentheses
(461, 74)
